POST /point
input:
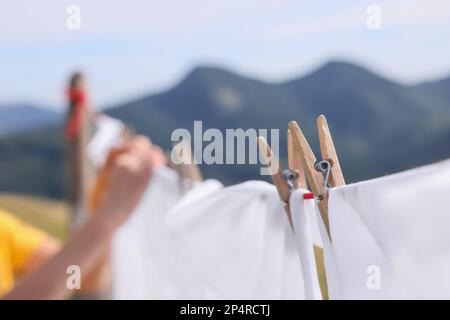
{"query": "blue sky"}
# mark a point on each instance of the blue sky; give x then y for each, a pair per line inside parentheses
(134, 47)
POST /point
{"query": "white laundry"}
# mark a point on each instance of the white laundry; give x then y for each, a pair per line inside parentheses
(212, 243)
(304, 221)
(391, 237)
(141, 245)
(108, 134)
(144, 262)
(238, 244)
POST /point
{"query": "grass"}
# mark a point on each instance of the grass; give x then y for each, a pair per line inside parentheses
(48, 215)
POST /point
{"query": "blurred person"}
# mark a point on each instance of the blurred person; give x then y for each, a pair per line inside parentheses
(32, 265)
(22, 248)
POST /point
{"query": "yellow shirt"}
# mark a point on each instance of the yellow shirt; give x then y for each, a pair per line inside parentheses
(18, 242)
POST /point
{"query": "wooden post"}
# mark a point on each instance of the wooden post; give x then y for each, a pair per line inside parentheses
(78, 132)
(87, 170)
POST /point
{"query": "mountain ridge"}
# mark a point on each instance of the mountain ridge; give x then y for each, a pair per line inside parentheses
(22, 117)
(378, 125)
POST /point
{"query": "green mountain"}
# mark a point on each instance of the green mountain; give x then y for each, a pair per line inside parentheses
(22, 117)
(378, 126)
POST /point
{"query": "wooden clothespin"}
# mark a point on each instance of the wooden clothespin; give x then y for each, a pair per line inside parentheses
(285, 181)
(323, 174)
(288, 180)
(295, 163)
(184, 165)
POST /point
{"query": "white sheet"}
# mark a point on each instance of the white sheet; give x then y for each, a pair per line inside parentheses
(108, 135)
(141, 245)
(238, 244)
(304, 221)
(213, 243)
(395, 229)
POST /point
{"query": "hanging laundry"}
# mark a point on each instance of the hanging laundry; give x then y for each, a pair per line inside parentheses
(102, 150)
(209, 242)
(143, 262)
(212, 243)
(390, 237)
(238, 243)
(108, 135)
(304, 221)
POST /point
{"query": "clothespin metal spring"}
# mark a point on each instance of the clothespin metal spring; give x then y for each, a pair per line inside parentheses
(324, 167)
(290, 176)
